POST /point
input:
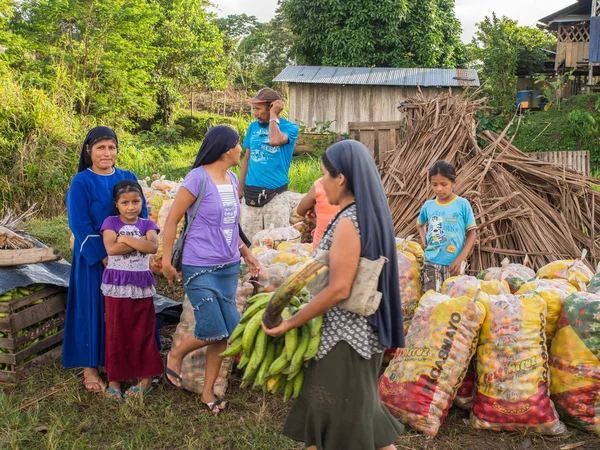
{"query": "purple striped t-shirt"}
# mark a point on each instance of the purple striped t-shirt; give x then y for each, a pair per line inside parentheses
(206, 243)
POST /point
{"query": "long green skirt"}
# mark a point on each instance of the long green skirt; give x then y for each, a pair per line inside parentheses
(339, 406)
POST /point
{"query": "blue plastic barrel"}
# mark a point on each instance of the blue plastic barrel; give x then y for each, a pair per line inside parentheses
(524, 99)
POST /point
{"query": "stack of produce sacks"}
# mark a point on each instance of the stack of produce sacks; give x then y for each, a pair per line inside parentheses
(514, 274)
(512, 367)
(420, 383)
(575, 271)
(410, 262)
(575, 362)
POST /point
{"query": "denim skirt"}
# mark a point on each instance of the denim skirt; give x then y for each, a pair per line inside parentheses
(211, 291)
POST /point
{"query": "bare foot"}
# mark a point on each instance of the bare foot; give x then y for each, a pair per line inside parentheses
(92, 380)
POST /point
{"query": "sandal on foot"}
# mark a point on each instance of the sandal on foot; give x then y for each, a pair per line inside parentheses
(170, 373)
(213, 407)
(113, 394)
(137, 392)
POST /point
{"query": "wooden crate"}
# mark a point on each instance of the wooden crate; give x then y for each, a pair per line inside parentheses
(38, 319)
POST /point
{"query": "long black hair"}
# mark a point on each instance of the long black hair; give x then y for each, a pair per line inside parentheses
(125, 187)
(443, 168)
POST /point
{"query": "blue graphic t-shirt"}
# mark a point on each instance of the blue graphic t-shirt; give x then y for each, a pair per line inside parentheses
(447, 226)
(268, 166)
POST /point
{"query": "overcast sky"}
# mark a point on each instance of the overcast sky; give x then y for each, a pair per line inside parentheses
(527, 12)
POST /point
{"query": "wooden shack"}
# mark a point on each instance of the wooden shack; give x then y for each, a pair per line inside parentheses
(577, 29)
(344, 95)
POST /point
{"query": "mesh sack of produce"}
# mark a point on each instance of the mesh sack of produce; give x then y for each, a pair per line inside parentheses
(512, 368)
(554, 293)
(272, 237)
(165, 186)
(575, 362)
(409, 276)
(468, 285)
(194, 363)
(420, 383)
(411, 246)
(575, 271)
(466, 391)
(304, 249)
(154, 202)
(514, 274)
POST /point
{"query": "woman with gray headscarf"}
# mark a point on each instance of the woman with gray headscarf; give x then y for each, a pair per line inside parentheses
(339, 405)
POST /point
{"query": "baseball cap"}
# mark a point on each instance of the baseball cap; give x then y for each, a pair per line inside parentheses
(264, 95)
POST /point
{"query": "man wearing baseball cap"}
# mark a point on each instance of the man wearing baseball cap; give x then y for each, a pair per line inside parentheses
(269, 145)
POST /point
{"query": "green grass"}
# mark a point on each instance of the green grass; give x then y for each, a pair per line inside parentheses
(53, 232)
(169, 419)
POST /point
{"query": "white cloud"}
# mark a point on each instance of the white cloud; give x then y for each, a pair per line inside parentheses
(526, 12)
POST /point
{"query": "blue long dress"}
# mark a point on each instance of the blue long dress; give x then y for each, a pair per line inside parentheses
(89, 202)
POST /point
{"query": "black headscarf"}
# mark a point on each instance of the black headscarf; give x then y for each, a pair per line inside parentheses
(126, 186)
(218, 140)
(353, 160)
(94, 135)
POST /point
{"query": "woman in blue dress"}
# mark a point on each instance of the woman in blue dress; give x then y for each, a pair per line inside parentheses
(89, 202)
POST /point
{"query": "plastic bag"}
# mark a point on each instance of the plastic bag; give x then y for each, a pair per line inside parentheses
(575, 271)
(194, 363)
(554, 293)
(467, 285)
(272, 237)
(512, 368)
(514, 274)
(420, 383)
(409, 276)
(411, 246)
(575, 362)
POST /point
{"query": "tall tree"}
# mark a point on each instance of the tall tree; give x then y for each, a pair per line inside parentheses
(384, 33)
(190, 49)
(98, 53)
(501, 48)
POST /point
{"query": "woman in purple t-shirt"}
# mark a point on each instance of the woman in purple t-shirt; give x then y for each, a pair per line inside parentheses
(211, 256)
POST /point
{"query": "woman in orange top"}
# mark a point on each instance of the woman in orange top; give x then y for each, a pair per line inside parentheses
(315, 203)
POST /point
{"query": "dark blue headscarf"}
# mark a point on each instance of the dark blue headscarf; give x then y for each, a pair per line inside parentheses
(377, 237)
(218, 140)
(96, 134)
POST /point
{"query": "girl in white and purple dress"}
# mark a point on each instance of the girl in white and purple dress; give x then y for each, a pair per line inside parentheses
(131, 350)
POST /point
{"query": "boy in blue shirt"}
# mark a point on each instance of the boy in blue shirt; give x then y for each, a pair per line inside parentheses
(269, 145)
(447, 228)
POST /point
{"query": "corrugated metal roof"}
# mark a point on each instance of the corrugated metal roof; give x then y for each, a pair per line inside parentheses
(378, 76)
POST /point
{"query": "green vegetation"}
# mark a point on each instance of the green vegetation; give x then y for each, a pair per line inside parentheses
(575, 126)
(501, 49)
(37, 417)
(53, 232)
(375, 33)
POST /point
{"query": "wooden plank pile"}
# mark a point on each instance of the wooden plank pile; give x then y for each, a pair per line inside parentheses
(523, 206)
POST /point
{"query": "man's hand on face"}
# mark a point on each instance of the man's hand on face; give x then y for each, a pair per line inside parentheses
(276, 108)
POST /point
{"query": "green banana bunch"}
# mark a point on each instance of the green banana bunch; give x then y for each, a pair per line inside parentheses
(274, 365)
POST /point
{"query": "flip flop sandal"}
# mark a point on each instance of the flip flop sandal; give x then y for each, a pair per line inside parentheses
(114, 394)
(133, 392)
(169, 372)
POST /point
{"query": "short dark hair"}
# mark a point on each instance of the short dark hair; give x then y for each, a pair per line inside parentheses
(443, 168)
